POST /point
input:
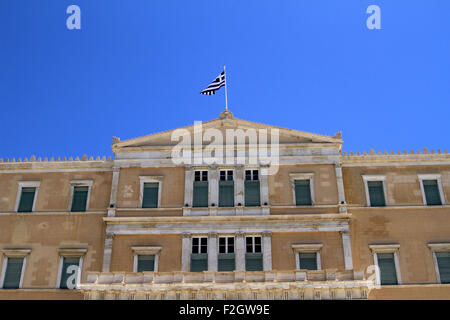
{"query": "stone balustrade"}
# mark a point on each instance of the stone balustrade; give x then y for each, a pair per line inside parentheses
(291, 284)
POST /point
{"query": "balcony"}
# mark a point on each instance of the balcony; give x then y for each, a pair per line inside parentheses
(292, 284)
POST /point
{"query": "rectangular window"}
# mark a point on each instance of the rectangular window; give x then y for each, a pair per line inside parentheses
(443, 261)
(431, 190)
(308, 260)
(226, 254)
(199, 254)
(13, 273)
(252, 188)
(79, 200)
(145, 263)
(26, 199)
(386, 263)
(303, 192)
(200, 189)
(253, 255)
(70, 267)
(150, 195)
(226, 189)
(376, 193)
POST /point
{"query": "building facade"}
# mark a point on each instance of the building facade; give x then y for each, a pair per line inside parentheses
(320, 224)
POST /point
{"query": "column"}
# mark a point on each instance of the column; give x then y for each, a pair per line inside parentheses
(347, 245)
(240, 251)
(340, 187)
(264, 176)
(267, 250)
(239, 186)
(113, 196)
(186, 252)
(188, 185)
(212, 252)
(213, 186)
(109, 238)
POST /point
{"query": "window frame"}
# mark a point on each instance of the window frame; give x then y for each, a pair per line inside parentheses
(375, 178)
(308, 248)
(302, 176)
(150, 179)
(26, 184)
(252, 169)
(218, 185)
(146, 251)
(80, 183)
(386, 248)
(14, 253)
(70, 253)
(431, 176)
(436, 248)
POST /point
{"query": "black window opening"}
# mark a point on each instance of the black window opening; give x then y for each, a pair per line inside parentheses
(443, 261)
(199, 254)
(388, 273)
(13, 273)
(200, 194)
(432, 194)
(376, 193)
(226, 257)
(253, 255)
(79, 198)
(226, 188)
(308, 260)
(145, 263)
(69, 272)
(150, 195)
(303, 193)
(252, 188)
(26, 199)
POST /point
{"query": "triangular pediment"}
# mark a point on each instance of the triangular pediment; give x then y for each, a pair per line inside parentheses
(223, 123)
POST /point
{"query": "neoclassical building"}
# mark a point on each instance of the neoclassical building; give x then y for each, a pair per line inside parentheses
(320, 224)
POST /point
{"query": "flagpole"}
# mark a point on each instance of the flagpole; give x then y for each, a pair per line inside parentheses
(226, 97)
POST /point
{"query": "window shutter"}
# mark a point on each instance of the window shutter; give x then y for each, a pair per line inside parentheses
(302, 193)
(146, 263)
(226, 262)
(308, 261)
(376, 193)
(26, 200)
(200, 194)
(79, 200)
(252, 193)
(226, 193)
(386, 262)
(13, 273)
(253, 262)
(150, 196)
(443, 259)
(432, 192)
(199, 262)
(65, 274)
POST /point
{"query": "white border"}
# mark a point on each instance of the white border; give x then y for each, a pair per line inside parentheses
(70, 253)
(381, 178)
(428, 176)
(308, 248)
(80, 183)
(14, 253)
(146, 251)
(150, 179)
(438, 247)
(302, 176)
(386, 248)
(26, 184)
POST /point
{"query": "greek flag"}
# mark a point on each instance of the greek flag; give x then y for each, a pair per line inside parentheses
(215, 85)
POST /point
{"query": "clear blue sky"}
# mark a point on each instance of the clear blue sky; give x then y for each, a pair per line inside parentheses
(137, 67)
